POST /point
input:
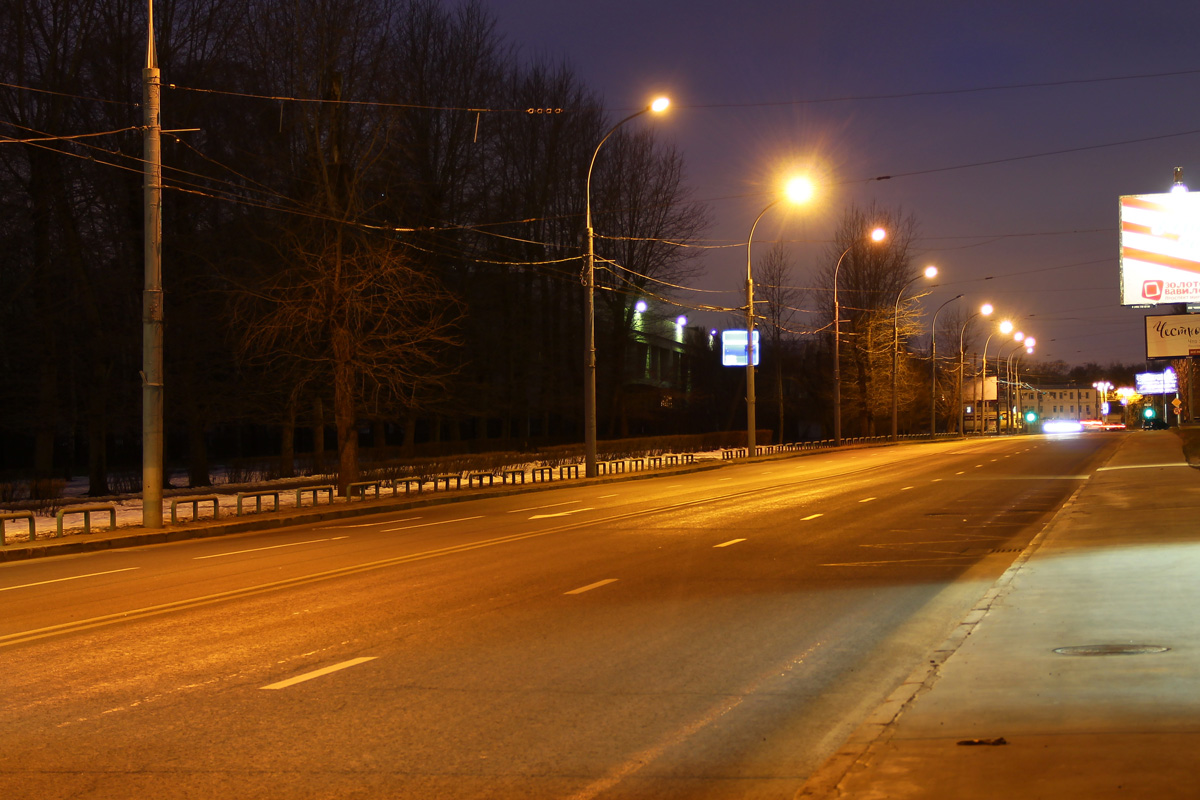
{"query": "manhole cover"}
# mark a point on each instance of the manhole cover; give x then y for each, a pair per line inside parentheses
(1111, 650)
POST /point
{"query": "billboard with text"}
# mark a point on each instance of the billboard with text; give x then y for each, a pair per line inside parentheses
(1175, 336)
(1160, 249)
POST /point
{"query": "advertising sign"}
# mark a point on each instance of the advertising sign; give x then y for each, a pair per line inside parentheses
(1160, 248)
(1157, 382)
(733, 348)
(1176, 336)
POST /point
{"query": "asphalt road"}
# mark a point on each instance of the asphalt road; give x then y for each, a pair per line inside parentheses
(707, 635)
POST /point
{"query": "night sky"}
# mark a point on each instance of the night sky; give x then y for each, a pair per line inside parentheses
(850, 91)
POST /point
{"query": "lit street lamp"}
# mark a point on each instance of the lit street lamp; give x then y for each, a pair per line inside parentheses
(930, 273)
(933, 367)
(984, 310)
(877, 235)
(798, 190)
(589, 345)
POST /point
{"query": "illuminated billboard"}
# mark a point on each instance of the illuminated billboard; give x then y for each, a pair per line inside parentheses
(1157, 382)
(733, 348)
(1160, 248)
(1175, 336)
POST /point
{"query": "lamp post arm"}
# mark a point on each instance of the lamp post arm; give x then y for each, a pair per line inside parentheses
(596, 153)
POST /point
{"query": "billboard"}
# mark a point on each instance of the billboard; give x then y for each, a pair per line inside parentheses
(1176, 336)
(733, 348)
(1157, 382)
(1160, 248)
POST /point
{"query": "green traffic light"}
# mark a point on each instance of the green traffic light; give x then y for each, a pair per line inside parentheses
(1031, 416)
(1148, 412)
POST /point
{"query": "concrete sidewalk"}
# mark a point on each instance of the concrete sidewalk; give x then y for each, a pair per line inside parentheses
(1076, 676)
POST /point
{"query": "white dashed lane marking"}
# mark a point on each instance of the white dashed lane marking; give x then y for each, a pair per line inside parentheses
(591, 586)
(308, 676)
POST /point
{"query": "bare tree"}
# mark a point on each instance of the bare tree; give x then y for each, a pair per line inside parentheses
(779, 313)
(642, 212)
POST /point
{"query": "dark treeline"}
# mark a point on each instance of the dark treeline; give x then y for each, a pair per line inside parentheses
(375, 228)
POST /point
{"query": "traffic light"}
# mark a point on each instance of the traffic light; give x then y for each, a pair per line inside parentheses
(1148, 412)
(1030, 416)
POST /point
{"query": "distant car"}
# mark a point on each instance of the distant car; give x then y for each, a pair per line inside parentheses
(1155, 425)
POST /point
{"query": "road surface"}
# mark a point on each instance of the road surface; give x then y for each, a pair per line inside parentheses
(705, 635)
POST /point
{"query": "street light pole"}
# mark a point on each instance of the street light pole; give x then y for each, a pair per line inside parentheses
(751, 423)
(152, 293)
(589, 344)
(798, 190)
(984, 310)
(1007, 384)
(1005, 328)
(930, 272)
(877, 235)
(933, 367)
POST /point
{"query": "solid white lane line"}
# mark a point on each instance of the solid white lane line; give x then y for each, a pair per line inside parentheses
(1143, 466)
(427, 524)
(562, 513)
(726, 544)
(72, 578)
(591, 586)
(271, 547)
(552, 505)
(335, 526)
(308, 676)
(810, 516)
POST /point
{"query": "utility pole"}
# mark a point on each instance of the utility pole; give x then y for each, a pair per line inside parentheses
(152, 294)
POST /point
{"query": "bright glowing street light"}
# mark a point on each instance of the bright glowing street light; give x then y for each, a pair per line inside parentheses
(589, 344)
(876, 235)
(929, 273)
(797, 190)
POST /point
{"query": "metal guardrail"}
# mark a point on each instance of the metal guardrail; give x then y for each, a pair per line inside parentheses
(87, 511)
(15, 515)
(195, 501)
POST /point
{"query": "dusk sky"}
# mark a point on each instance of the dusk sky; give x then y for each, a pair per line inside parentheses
(855, 90)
